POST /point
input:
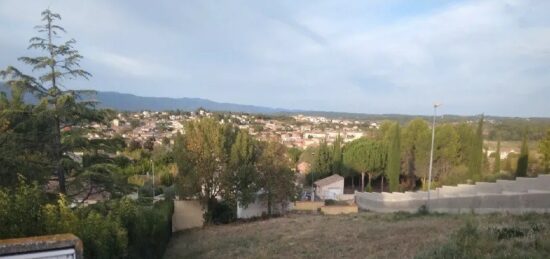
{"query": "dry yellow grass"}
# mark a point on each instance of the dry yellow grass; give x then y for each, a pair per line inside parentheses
(363, 235)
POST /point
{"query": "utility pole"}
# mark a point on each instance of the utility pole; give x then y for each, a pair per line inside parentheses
(153, 169)
(432, 154)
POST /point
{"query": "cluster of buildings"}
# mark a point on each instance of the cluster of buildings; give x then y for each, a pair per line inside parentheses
(297, 131)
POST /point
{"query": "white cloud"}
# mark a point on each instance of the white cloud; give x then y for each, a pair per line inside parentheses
(134, 67)
(489, 56)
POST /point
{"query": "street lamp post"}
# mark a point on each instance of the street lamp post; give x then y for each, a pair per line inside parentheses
(432, 154)
(312, 191)
(153, 169)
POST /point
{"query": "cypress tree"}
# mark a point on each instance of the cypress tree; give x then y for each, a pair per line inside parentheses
(322, 162)
(523, 159)
(476, 152)
(394, 157)
(337, 156)
(497, 158)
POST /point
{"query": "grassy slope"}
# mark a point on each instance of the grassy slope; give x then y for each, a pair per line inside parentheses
(369, 235)
(316, 236)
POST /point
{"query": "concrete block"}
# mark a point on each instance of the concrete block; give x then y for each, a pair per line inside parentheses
(335, 210)
(484, 187)
(541, 182)
(308, 205)
(538, 191)
(467, 189)
(511, 186)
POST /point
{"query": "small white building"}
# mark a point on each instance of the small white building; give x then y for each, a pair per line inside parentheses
(330, 187)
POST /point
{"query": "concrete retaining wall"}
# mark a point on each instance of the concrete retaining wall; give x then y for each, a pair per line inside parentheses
(187, 214)
(308, 205)
(335, 210)
(345, 197)
(259, 208)
(519, 196)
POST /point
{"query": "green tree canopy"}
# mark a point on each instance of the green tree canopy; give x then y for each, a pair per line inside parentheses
(202, 156)
(322, 163)
(445, 150)
(365, 156)
(476, 153)
(240, 181)
(337, 155)
(416, 149)
(275, 177)
(393, 170)
(65, 108)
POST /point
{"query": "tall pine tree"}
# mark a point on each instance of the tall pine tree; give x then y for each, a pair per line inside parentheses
(65, 107)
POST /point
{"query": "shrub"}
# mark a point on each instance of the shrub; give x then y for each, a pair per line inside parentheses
(525, 236)
(220, 212)
(113, 229)
(149, 228)
(166, 179)
(20, 211)
(330, 202)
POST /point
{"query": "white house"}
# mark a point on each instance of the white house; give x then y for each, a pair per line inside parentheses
(330, 187)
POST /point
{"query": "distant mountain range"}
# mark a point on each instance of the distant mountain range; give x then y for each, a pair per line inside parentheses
(130, 102)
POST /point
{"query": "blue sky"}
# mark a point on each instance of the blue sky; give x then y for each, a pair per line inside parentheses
(380, 56)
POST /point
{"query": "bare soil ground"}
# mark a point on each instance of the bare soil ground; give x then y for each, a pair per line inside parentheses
(363, 235)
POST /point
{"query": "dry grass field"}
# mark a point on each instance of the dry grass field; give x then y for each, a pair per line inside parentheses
(316, 236)
(366, 235)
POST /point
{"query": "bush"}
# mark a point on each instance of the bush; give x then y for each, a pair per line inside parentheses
(113, 229)
(20, 211)
(220, 212)
(525, 236)
(166, 179)
(335, 202)
(149, 228)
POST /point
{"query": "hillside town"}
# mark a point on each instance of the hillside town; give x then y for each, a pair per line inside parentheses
(298, 131)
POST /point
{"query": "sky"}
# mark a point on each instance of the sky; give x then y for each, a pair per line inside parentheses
(378, 56)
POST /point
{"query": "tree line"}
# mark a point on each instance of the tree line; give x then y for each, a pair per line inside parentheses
(400, 156)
